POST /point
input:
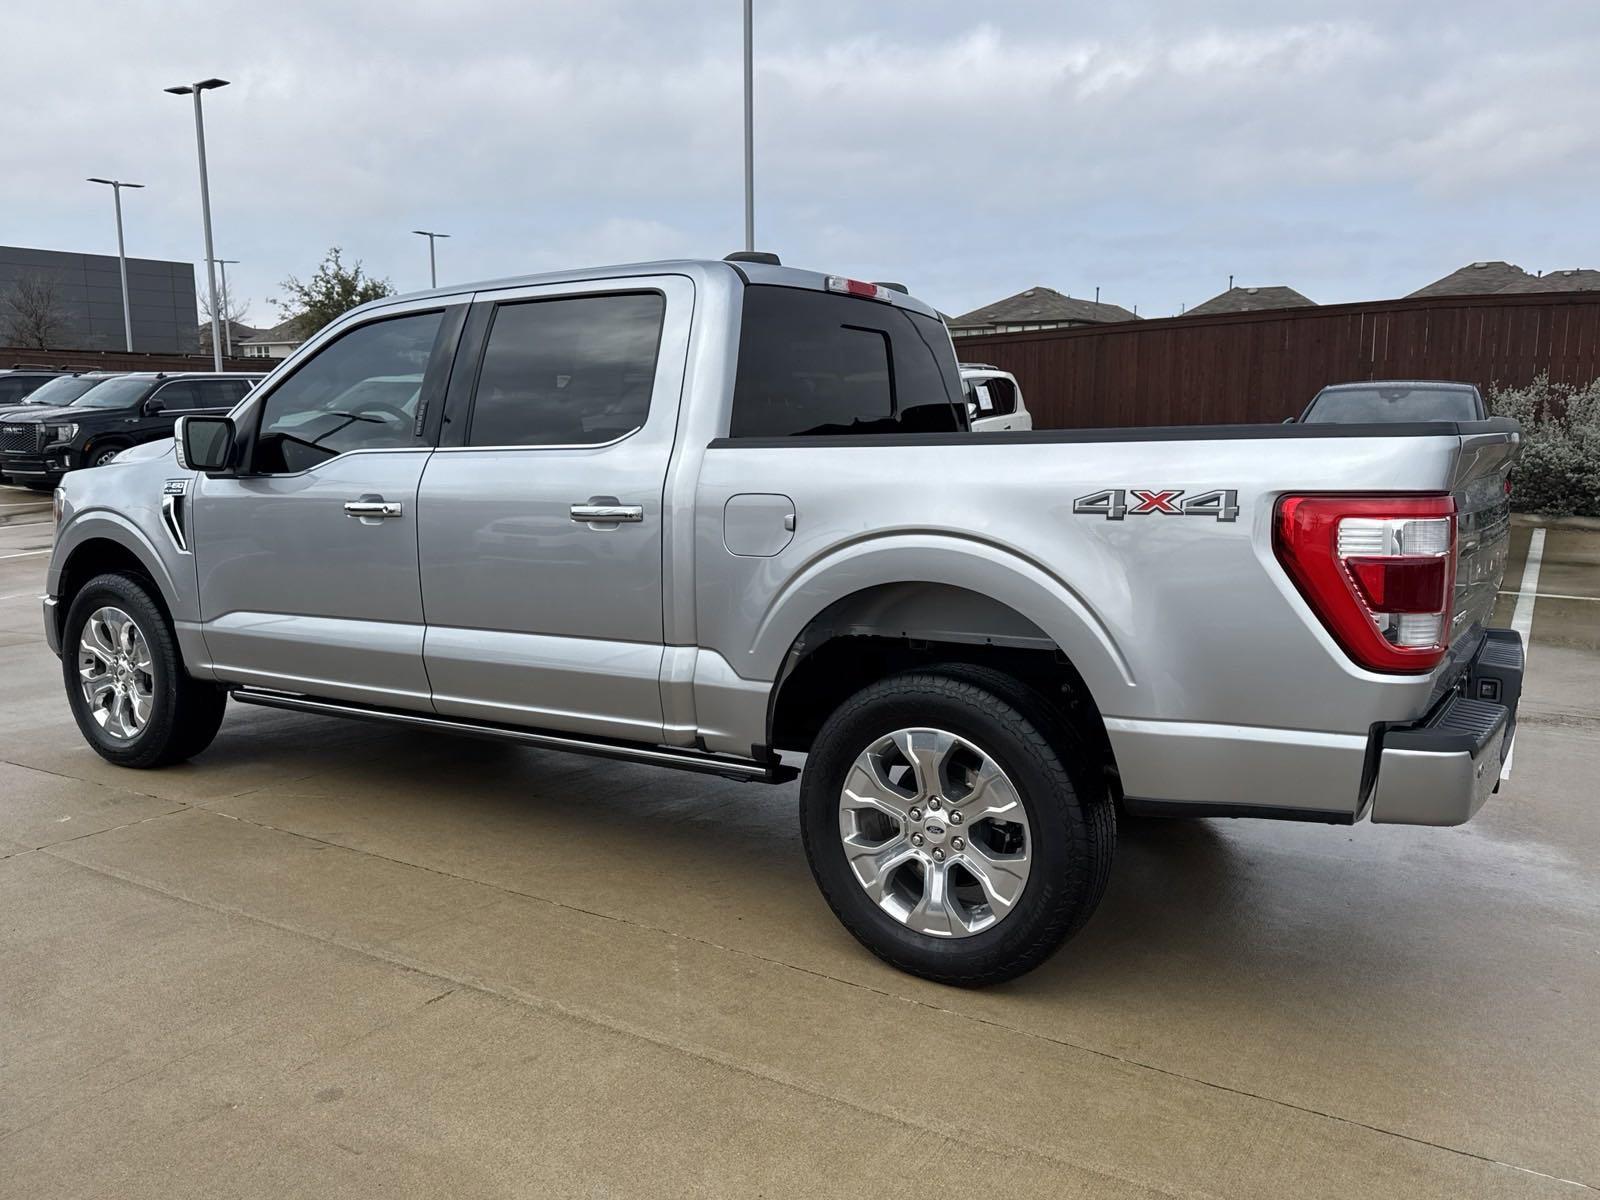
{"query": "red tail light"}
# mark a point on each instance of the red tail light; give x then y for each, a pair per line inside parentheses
(1379, 571)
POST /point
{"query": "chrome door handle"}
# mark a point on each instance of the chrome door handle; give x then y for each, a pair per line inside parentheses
(372, 506)
(607, 512)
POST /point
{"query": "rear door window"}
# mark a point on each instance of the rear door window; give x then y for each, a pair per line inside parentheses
(1004, 393)
(220, 393)
(180, 396)
(568, 371)
(814, 363)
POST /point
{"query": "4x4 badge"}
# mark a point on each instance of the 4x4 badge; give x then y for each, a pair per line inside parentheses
(1112, 504)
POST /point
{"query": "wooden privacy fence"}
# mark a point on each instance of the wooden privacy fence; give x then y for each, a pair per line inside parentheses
(122, 360)
(1265, 366)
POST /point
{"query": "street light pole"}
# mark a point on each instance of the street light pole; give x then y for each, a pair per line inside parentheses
(749, 132)
(227, 304)
(116, 186)
(433, 270)
(194, 89)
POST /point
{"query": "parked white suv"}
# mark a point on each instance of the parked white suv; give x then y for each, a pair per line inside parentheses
(994, 401)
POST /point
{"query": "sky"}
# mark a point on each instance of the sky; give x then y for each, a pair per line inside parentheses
(1351, 150)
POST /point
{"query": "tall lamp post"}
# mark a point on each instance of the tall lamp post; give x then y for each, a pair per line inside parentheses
(194, 89)
(116, 186)
(749, 131)
(433, 271)
(227, 304)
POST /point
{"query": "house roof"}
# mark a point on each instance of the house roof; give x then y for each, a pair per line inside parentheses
(285, 332)
(1577, 279)
(1251, 299)
(240, 332)
(1039, 305)
(1477, 279)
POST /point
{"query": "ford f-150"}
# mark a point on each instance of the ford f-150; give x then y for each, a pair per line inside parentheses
(722, 515)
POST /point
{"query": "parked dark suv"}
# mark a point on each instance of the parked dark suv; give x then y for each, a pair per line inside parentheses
(38, 447)
(17, 383)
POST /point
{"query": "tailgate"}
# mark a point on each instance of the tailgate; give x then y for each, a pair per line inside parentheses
(1483, 516)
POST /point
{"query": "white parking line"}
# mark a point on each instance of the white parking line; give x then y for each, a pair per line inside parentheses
(1522, 615)
(25, 554)
(25, 524)
(1553, 596)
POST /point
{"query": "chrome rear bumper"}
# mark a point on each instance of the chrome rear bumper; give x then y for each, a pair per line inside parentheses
(1441, 770)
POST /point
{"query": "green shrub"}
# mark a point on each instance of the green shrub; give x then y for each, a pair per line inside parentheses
(1558, 472)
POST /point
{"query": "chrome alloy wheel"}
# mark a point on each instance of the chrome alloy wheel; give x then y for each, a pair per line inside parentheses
(935, 832)
(115, 673)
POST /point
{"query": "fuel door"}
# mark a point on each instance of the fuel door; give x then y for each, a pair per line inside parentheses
(757, 524)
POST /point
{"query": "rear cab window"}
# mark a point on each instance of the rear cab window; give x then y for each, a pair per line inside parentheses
(819, 364)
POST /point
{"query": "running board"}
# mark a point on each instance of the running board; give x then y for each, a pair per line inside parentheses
(659, 756)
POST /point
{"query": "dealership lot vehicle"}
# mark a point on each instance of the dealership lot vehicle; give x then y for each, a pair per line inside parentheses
(316, 930)
(42, 443)
(757, 532)
(52, 394)
(1396, 400)
(60, 391)
(18, 383)
(994, 399)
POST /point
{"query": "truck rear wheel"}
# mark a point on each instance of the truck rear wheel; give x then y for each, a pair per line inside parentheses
(129, 693)
(953, 831)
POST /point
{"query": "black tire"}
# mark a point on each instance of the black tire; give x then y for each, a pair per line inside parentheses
(1071, 818)
(185, 713)
(104, 454)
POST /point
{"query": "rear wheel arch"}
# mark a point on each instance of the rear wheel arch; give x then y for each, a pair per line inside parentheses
(893, 628)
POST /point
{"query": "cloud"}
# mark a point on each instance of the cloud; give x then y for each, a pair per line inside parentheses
(1348, 149)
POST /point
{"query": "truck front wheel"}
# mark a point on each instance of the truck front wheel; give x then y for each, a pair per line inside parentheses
(953, 829)
(125, 681)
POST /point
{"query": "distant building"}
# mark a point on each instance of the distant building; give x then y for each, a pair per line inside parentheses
(278, 342)
(1036, 308)
(87, 291)
(1251, 299)
(1490, 278)
(1577, 279)
(1476, 279)
(238, 330)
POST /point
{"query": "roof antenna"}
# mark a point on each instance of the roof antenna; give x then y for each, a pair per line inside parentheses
(1097, 294)
(1230, 283)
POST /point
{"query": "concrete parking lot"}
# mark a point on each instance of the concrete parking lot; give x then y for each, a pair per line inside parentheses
(328, 958)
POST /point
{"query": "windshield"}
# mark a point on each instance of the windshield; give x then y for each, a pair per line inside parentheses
(1354, 406)
(114, 393)
(63, 391)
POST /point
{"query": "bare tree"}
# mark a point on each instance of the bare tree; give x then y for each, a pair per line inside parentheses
(33, 314)
(229, 308)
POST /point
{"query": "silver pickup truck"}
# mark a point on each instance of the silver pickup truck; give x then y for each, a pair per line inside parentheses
(722, 515)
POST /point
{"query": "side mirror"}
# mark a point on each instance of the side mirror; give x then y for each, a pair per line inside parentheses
(972, 410)
(205, 444)
(153, 405)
